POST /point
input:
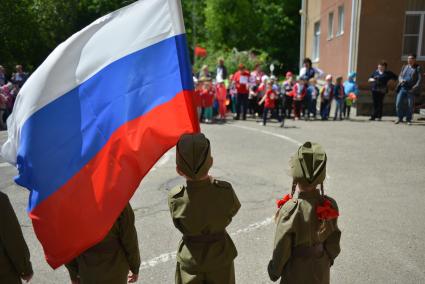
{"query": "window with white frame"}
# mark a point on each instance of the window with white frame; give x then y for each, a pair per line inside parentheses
(331, 25)
(414, 38)
(316, 41)
(340, 29)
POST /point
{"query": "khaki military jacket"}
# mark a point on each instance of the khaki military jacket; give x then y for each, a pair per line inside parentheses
(14, 253)
(110, 260)
(298, 226)
(203, 208)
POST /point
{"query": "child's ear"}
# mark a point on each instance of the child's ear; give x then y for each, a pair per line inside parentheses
(212, 161)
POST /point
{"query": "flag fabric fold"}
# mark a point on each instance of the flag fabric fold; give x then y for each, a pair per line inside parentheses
(95, 117)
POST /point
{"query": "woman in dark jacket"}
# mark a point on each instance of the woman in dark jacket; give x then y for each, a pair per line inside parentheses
(379, 80)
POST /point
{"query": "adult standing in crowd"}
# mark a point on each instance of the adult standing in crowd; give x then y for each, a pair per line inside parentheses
(221, 71)
(409, 85)
(20, 77)
(3, 108)
(379, 79)
(257, 73)
(2, 76)
(241, 79)
(14, 254)
(204, 74)
(308, 71)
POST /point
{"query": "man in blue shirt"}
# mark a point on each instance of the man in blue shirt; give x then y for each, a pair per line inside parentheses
(409, 84)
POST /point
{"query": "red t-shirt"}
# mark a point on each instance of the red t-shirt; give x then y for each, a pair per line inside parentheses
(241, 79)
(299, 92)
(221, 92)
(197, 98)
(207, 98)
(270, 101)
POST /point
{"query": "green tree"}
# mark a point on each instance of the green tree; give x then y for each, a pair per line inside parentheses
(264, 25)
(18, 40)
(279, 32)
(194, 20)
(231, 24)
(31, 29)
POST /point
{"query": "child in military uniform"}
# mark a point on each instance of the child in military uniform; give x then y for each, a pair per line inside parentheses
(201, 211)
(110, 260)
(307, 236)
(15, 264)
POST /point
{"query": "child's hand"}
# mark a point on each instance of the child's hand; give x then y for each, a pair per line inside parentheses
(133, 278)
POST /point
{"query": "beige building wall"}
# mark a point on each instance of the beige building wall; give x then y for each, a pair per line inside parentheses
(313, 15)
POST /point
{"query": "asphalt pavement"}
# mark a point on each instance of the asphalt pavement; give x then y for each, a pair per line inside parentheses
(376, 172)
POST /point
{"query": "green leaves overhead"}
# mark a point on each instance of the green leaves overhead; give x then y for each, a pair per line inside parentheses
(267, 26)
(31, 29)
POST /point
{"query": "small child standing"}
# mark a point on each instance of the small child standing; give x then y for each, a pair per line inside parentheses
(312, 94)
(339, 98)
(287, 87)
(221, 96)
(326, 96)
(351, 91)
(207, 95)
(198, 99)
(201, 210)
(269, 100)
(307, 235)
(300, 91)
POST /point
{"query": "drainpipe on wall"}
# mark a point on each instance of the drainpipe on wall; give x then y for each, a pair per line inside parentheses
(353, 47)
(303, 13)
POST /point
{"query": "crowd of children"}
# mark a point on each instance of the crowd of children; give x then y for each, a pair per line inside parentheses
(9, 89)
(267, 98)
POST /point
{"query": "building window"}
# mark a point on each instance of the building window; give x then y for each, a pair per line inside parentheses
(316, 41)
(340, 30)
(330, 25)
(414, 38)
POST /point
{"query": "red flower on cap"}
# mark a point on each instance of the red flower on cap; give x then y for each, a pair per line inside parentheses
(282, 201)
(326, 212)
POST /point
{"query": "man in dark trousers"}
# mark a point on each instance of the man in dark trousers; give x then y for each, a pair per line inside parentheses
(15, 262)
(409, 85)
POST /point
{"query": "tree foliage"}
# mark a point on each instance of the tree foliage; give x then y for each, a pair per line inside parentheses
(31, 29)
(267, 25)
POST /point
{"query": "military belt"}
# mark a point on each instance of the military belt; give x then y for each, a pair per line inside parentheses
(105, 247)
(210, 238)
(313, 251)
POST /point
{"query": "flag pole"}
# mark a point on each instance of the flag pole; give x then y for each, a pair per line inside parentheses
(194, 30)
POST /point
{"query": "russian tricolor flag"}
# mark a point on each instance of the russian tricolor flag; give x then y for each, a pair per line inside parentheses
(95, 117)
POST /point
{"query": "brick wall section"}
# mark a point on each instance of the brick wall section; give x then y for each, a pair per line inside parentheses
(334, 52)
(380, 38)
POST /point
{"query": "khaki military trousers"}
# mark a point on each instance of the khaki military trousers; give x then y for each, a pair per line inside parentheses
(224, 275)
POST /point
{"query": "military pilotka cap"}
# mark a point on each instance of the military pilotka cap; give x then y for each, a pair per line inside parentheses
(308, 165)
(193, 155)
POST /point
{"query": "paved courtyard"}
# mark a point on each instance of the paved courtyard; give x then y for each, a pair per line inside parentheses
(376, 173)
